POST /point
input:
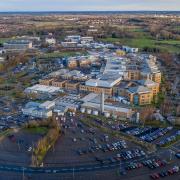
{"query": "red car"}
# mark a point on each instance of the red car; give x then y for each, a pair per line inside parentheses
(12, 138)
(170, 172)
(154, 176)
(139, 165)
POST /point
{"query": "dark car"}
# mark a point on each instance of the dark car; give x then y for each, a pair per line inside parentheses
(177, 155)
(123, 173)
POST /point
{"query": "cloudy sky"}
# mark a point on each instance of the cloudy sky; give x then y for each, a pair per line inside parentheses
(84, 5)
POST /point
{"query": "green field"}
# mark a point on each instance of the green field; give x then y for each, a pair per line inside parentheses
(143, 39)
(59, 54)
(2, 40)
(142, 42)
(38, 130)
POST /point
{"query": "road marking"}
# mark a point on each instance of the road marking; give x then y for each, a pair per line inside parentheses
(105, 166)
(81, 168)
(96, 167)
(65, 169)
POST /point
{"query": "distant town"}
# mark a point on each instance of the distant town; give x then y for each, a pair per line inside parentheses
(88, 92)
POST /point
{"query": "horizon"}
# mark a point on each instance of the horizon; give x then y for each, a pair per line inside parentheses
(66, 11)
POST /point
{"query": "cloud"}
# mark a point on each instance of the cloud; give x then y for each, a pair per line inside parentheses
(77, 5)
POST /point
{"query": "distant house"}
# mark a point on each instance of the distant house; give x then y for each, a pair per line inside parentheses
(87, 39)
(50, 41)
(68, 44)
(129, 49)
(2, 59)
(73, 38)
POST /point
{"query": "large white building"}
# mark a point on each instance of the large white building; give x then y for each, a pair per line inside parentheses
(130, 49)
(65, 103)
(115, 65)
(107, 80)
(38, 88)
(112, 73)
(38, 110)
(93, 102)
(17, 45)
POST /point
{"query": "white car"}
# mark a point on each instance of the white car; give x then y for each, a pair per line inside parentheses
(30, 149)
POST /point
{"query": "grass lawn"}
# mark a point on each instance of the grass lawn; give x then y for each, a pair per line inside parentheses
(38, 130)
(2, 40)
(155, 123)
(5, 133)
(59, 54)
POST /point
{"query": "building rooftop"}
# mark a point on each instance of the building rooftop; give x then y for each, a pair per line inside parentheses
(124, 84)
(138, 89)
(32, 105)
(59, 72)
(115, 64)
(107, 108)
(89, 97)
(59, 80)
(47, 104)
(147, 82)
(106, 80)
(43, 88)
(18, 42)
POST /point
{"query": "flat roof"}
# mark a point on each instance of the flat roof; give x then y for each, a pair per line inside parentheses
(18, 42)
(106, 107)
(89, 97)
(147, 82)
(43, 88)
(107, 80)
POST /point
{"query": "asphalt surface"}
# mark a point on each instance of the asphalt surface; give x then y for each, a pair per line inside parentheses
(52, 170)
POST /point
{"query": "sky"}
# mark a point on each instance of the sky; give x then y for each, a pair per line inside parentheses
(88, 5)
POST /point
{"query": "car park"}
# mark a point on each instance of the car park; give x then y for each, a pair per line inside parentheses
(134, 165)
(154, 163)
(165, 173)
(155, 133)
(169, 139)
(114, 146)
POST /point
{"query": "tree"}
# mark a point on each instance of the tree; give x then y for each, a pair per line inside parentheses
(146, 113)
(166, 107)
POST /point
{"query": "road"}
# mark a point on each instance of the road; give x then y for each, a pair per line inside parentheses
(51, 170)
